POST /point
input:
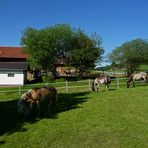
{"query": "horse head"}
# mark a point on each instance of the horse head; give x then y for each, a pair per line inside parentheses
(24, 104)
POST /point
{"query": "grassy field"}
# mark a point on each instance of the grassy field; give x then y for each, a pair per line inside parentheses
(118, 118)
(143, 67)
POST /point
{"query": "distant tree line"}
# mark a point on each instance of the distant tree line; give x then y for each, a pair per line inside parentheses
(61, 43)
(130, 55)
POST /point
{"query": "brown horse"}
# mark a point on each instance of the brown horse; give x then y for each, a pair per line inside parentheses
(44, 98)
(137, 76)
(101, 80)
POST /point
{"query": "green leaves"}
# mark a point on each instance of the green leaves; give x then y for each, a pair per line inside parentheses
(46, 46)
(131, 54)
(87, 50)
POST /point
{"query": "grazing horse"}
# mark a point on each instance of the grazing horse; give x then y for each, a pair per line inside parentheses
(137, 76)
(101, 80)
(44, 98)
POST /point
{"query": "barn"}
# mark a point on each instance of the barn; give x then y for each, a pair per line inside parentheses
(13, 66)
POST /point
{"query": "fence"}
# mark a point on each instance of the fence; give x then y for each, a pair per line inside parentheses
(67, 86)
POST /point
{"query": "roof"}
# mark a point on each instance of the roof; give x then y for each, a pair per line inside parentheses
(13, 65)
(12, 52)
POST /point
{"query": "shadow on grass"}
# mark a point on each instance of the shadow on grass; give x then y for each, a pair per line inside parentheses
(11, 121)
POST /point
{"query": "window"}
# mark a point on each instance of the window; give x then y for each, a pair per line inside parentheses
(10, 74)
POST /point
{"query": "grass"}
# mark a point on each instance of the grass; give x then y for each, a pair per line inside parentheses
(143, 67)
(108, 119)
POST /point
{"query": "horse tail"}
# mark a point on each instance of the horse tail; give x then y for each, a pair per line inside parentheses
(109, 80)
(127, 84)
(147, 77)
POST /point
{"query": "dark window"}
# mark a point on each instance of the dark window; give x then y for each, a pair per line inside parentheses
(10, 74)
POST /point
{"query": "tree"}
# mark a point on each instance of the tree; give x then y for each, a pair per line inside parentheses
(130, 54)
(86, 50)
(46, 47)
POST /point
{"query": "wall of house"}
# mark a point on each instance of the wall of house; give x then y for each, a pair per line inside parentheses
(11, 77)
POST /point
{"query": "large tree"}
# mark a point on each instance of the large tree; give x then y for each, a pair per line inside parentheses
(87, 50)
(46, 47)
(130, 54)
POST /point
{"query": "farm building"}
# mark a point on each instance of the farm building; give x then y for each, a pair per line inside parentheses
(13, 66)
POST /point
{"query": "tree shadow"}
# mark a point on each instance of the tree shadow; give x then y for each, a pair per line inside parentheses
(70, 101)
(12, 121)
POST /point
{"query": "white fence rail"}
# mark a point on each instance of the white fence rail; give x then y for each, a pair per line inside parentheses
(67, 86)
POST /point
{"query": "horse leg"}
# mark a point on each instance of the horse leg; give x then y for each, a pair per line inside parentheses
(50, 107)
(128, 84)
(144, 80)
(38, 108)
(93, 86)
(26, 113)
(97, 88)
(129, 81)
(133, 83)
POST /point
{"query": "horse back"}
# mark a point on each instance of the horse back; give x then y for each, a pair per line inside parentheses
(48, 93)
(139, 76)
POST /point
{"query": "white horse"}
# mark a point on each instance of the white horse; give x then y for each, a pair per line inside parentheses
(137, 76)
(101, 80)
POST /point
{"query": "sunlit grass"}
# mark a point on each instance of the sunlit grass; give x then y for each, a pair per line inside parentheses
(117, 118)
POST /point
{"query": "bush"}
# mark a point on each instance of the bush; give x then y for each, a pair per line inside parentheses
(48, 79)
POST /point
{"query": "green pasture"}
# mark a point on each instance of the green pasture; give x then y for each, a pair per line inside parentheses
(143, 68)
(82, 119)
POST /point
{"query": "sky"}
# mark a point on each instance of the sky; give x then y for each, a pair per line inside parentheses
(116, 21)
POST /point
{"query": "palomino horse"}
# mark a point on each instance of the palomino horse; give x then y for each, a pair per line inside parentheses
(101, 80)
(44, 98)
(137, 76)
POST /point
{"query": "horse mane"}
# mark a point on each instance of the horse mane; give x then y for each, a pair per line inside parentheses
(35, 88)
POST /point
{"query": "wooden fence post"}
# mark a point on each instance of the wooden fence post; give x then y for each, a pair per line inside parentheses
(89, 84)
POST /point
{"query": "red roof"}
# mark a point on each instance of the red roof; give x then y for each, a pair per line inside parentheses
(12, 52)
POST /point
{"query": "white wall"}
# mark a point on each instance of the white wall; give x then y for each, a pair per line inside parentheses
(18, 78)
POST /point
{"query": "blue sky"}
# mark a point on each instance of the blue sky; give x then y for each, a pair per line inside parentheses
(116, 21)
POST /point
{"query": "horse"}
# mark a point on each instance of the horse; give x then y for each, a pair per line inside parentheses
(137, 76)
(44, 98)
(101, 80)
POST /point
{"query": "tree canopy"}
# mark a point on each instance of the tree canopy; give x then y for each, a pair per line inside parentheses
(46, 47)
(130, 54)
